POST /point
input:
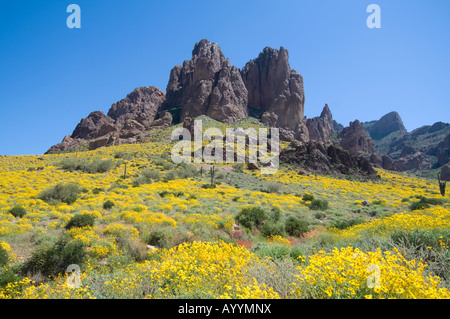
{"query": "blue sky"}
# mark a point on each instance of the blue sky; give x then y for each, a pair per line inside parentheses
(52, 76)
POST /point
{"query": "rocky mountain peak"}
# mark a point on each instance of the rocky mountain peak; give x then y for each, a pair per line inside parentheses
(355, 139)
(387, 124)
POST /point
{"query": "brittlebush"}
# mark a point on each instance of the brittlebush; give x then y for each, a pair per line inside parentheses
(351, 273)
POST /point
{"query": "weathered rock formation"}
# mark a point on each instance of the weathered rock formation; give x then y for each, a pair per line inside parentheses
(207, 85)
(317, 158)
(445, 173)
(275, 88)
(355, 139)
(141, 105)
(387, 124)
(321, 128)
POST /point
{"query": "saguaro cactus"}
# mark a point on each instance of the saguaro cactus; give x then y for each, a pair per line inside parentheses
(442, 185)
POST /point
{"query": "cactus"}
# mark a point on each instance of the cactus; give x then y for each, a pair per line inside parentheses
(442, 185)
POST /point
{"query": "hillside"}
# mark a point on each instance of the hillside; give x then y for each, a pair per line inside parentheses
(140, 226)
(425, 148)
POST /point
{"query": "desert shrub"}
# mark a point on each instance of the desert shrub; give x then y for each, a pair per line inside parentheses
(271, 228)
(186, 171)
(108, 204)
(81, 220)
(3, 257)
(251, 217)
(273, 187)
(123, 155)
(238, 167)
(425, 203)
(97, 190)
(422, 238)
(7, 276)
(418, 205)
(318, 204)
(66, 193)
(151, 174)
(346, 223)
(295, 226)
(161, 237)
(133, 248)
(18, 211)
(81, 164)
(53, 260)
(308, 197)
(277, 251)
(275, 214)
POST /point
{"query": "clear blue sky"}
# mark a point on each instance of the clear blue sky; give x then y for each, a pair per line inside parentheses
(52, 76)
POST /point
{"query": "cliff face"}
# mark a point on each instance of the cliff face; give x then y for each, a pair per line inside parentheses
(275, 88)
(207, 84)
(321, 128)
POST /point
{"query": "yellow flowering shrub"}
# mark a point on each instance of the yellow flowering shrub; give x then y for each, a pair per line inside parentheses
(215, 270)
(351, 273)
(121, 231)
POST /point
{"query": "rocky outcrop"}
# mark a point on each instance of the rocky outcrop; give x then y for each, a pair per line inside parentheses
(415, 160)
(355, 139)
(443, 151)
(275, 88)
(391, 122)
(207, 85)
(316, 158)
(68, 143)
(141, 105)
(321, 128)
(445, 173)
(90, 126)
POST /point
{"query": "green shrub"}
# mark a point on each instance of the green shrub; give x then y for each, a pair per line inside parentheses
(271, 228)
(295, 226)
(81, 220)
(3, 257)
(273, 187)
(66, 193)
(251, 217)
(161, 237)
(18, 211)
(425, 203)
(7, 276)
(123, 155)
(422, 238)
(238, 167)
(97, 191)
(275, 214)
(187, 171)
(81, 164)
(53, 260)
(346, 223)
(277, 251)
(108, 204)
(308, 197)
(151, 174)
(318, 204)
